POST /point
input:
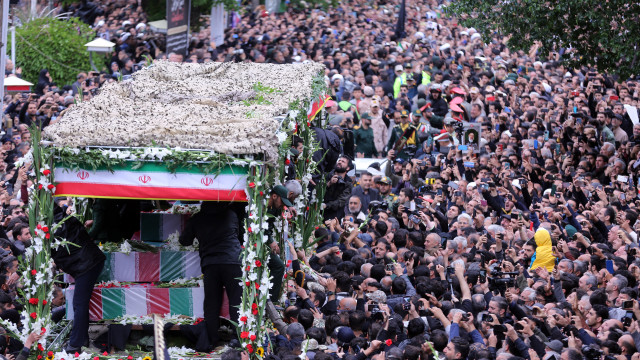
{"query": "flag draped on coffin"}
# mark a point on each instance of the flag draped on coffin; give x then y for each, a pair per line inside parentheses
(152, 181)
(149, 267)
(110, 303)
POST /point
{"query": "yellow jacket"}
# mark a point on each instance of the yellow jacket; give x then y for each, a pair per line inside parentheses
(544, 253)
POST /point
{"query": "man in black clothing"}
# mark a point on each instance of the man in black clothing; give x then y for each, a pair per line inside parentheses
(84, 261)
(217, 228)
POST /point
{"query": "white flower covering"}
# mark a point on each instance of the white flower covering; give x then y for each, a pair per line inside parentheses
(192, 106)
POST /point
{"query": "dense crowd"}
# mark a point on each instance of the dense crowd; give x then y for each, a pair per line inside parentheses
(520, 244)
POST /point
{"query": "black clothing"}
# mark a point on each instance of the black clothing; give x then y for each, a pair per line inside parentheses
(216, 227)
(75, 260)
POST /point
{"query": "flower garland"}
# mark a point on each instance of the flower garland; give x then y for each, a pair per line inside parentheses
(173, 244)
(173, 158)
(256, 281)
(36, 265)
(148, 319)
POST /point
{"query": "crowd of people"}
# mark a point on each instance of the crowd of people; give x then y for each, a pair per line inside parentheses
(518, 243)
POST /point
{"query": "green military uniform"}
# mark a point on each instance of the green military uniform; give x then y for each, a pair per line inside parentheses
(363, 139)
(396, 134)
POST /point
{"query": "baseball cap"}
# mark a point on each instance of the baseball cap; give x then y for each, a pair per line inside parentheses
(283, 193)
(384, 180)
(344, 335)
(399, 68)
(555, 345)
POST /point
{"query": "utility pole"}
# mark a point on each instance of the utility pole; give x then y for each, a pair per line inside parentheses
(4, 22)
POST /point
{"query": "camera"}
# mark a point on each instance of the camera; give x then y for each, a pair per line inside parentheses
(373, 308)
(591, 352)
(451, 270)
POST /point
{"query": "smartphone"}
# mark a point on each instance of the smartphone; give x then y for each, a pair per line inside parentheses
(518, 327)
(546, 135)
(623, 178)
(609, 264)
(575, 109)
(553, 190)
(390, 267)
(627, 304)
(469, 164)
(507, 166)
(535, 144)
(439, 192)
(499, 329)
(487, 318)
(566, 185)
(483, 276)
(463, 147)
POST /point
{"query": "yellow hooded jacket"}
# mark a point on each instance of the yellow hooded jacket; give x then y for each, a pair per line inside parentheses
(544, 253)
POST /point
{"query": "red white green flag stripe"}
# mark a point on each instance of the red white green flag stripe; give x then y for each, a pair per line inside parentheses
(152, 181)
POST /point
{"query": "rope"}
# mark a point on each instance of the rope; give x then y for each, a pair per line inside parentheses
(47, 56)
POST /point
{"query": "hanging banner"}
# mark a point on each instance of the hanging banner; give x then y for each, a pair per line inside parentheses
(152, 181)
(178, 21)
(218, 24)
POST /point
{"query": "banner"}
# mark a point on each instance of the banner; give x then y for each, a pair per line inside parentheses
(218, 24)
(178, 21)
(152, 181)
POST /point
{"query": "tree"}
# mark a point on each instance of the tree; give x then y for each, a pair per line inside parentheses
(601, 34)
(53, 44)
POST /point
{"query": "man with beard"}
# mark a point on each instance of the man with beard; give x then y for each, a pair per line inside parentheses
(339, 189)
(355, 208)
(384, 187)
(528, 250)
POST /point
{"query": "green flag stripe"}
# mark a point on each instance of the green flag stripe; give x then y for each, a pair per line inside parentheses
(113, 303)
(181, 301)
(171, 265)
(148, 167)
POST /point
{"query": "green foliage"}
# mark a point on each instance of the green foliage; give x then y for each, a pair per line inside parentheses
(605, 34)
(157, 10)
(57, 45)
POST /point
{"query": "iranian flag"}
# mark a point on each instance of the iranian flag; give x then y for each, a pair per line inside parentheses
(110, 303)
(152, 181)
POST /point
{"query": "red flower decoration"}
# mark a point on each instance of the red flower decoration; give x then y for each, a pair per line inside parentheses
(261, 193)
(50, 186)
(257, 286)
(41, 348)
(244, 334)
(250, 349)
(76, 354)
(253, 338)
(243, 319)
(388, 342)
(307, 208)
(39, 357)
(45, 228)
(39, 227)
(254, 306)
(96, 358)
(34, 301)
(40, 186)
(309, 123)
(287, 162)
(44, 302)
(43, 330)
(249, 230)
(258, 263)
(33, 315)
(252, 185)
(248, 268)
(46, 172)
(34, 272)
(255, 312)
(288, 262)
(317, 227)
(47, 236)
(105, 353)
(50, 354)
(248, 283)
(129, 357)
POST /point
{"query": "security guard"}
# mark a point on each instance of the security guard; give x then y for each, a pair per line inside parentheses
(384, 186)
(403, 136)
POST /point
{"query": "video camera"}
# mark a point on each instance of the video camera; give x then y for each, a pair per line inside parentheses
(501, 280)
(376, 206)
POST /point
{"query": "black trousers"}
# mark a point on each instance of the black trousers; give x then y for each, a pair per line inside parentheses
(218, 277)
(81, 297)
